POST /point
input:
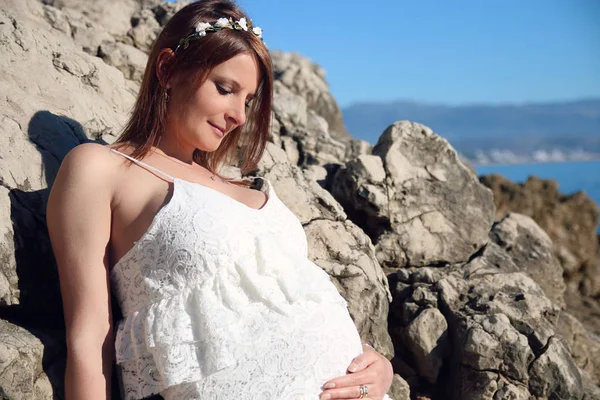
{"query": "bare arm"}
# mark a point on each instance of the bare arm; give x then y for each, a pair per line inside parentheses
(79, 219)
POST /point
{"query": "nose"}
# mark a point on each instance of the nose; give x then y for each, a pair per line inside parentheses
(237, 113)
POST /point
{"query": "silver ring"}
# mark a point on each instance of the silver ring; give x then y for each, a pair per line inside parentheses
(364, 391)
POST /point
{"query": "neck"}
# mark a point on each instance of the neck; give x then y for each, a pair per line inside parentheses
(171, 147)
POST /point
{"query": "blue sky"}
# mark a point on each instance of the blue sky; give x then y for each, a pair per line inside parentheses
(442, 51)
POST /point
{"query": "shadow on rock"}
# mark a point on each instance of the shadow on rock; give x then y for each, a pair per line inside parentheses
(39, 308)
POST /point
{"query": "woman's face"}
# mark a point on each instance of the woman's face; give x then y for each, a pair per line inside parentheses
(217, 107)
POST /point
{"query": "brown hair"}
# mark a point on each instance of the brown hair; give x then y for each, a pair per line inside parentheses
(146, 125)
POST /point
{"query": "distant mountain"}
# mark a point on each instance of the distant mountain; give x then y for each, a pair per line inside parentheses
(549, 131)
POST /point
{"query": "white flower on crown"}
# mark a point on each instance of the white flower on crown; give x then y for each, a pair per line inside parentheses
(257, 31)
(242, 23)
(222, 23)
(202, 27)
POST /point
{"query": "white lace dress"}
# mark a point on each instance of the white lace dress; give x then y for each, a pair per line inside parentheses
(220, 301)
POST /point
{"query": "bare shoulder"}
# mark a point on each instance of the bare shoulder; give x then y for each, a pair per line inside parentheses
(89, 167)
(91, 161)
(90, 157)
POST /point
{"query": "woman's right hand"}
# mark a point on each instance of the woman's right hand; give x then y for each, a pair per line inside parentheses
(79, 220)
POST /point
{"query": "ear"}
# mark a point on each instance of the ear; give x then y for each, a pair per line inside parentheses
(164, 62)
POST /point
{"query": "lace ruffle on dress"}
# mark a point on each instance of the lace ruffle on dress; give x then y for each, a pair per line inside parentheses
(220, 301)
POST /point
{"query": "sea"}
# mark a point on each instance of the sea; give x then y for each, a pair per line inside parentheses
(571, 176)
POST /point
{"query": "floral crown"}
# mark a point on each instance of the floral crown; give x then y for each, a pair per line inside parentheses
(222, 23)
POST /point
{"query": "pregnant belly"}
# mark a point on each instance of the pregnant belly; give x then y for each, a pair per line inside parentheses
(290, 360)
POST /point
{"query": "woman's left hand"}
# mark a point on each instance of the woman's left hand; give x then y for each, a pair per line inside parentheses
(370, 369)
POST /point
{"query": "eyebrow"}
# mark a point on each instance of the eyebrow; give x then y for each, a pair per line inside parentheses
(235, 84)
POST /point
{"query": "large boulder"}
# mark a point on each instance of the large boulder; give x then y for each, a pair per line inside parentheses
(307, 80)
(305, 135)
(570, 221)
(480, 330)
(420, 205)
(531, 249)
(502, 322)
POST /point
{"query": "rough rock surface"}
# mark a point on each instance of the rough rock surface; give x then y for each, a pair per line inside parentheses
(531, 249)
(571, 222)
(424, 207)
(307, 80)
(21, 373)
(113, 15)
(305, 135)
(584, 346)
(498, 339)
(400, 389)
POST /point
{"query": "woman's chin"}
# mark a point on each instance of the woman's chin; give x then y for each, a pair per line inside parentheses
(209, 147)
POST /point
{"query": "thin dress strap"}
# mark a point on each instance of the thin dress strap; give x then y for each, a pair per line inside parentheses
(144, 165)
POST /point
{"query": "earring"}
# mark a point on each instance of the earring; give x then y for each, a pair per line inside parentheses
(167, 97)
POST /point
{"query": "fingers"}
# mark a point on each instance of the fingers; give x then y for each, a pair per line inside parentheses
(350, 380)
(345, 393)
(363, 361)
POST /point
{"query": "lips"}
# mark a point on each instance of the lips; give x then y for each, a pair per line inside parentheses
(218, 130)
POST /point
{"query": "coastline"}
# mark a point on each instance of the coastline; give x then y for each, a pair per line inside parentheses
(494, 165)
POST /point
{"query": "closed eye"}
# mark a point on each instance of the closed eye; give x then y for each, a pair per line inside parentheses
(226, 92)
(222, 90)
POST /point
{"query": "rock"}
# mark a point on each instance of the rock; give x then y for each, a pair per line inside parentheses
(486, 385)
(21, 373)
(304, 131)
(357, 148)
(361, 188)
(531, 249)
(427, 338)
(9, 280)
(307, 80)
(591, 392)
(570, 221)
(554, 374)
(127, 59)
(303, 196)
(419, 215)
(583, 346)
(490, 325)
(85, 33)
(585, 308)
(319, 146)
(144, 30)
(112, 15)
(491, 258)
(290, 146)
(503, 330)
(494, 344)
(400, 389)
(289, 108)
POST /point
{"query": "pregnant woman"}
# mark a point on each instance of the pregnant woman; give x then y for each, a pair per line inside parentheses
(218, 296)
